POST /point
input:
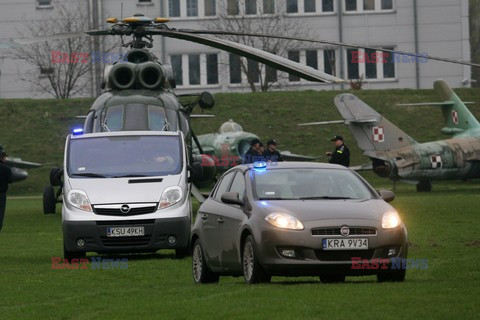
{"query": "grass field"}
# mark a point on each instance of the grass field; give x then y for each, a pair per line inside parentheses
(443, 228)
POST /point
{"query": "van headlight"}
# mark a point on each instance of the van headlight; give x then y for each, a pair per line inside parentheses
(170, 196)
(390, 220)
(79, 200)
(284, 221)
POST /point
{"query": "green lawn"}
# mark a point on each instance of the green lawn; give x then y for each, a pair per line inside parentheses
(443, 228)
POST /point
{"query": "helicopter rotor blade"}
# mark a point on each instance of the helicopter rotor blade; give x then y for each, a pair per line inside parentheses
(335, 43)
(267, 58)
(22, 42)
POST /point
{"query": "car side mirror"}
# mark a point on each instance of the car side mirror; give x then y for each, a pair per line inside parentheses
(56, 177)
(232, 198)
(386, 195)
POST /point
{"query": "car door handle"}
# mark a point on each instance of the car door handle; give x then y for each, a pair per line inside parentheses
(220, 220)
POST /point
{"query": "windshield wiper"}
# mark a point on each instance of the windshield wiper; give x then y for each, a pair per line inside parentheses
(131, 176)
(326, 198)
(278, 198)
(89, 174)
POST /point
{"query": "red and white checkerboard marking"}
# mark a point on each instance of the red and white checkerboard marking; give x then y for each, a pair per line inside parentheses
(436, 162)
(455, 117)
(378, 135)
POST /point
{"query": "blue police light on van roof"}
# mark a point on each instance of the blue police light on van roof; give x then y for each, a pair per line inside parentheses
(77, 131)
(260, 166)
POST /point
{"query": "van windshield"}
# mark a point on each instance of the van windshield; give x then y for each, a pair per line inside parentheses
(132, 156)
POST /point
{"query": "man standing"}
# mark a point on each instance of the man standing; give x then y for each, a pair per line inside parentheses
(341, 154)
(272, 154)
(5, 179)
(253, 154)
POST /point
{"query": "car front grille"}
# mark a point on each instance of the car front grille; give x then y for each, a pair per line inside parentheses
(343, 255)
(126, 241)
(335, 231)
(118, 212)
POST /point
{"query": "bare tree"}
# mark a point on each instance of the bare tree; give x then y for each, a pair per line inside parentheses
(61, 65)
(239, 16)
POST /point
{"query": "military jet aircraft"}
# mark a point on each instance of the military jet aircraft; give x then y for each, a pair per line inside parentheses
(396, 155)
(17, 166)
(228, 146)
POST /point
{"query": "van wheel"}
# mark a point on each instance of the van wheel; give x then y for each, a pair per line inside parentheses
(181, 253)
(49, 200)
(252, 270)
(200, 270)
(70, 255)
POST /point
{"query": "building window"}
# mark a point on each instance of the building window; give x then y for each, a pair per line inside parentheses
(268, 6)
(176, 61)
(250, 6)
(309, 6)
(371, 64)
(192, 8)
(232, 8)
(212, 68)
(292, 6)
(350, 5)
(144, 1)
(195, 69)
(174, 8)
(44, 3)
(253, 71)
(294, 56)
(327, 6)
(270, 74)
(235, 69)
(352, 64)
(388, 65)
(311, 57)
(210, 8)
(368, 5)
(329, 62)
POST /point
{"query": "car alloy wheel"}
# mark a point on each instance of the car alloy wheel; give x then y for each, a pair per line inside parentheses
(252, 270)
(201, 272)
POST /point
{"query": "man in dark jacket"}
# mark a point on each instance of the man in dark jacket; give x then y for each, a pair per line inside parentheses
(253, 154)
(5, 179)
(341, 154)
(272, 154)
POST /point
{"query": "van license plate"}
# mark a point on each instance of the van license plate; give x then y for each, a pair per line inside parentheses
(345, 244)
(125, 231)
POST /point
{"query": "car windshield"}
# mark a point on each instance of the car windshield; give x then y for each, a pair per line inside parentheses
(309, 184)
(132, 156)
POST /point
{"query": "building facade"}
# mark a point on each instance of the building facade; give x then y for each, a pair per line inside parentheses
(433, 27)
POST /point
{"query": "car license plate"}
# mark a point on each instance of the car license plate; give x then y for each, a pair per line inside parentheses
(125, 231)
(345, 244)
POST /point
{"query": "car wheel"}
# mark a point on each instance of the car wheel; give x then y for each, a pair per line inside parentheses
(252, 270)
(396, 276)
(200, 270)
(70, 255)
(49, 200)
(332, 278)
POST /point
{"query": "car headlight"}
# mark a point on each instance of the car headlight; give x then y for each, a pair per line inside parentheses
(284, 221)
(390, 220)
(170, 196)
(79, 200)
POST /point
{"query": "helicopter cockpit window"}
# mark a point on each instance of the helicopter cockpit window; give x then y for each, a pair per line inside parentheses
(136, 117)
(114, 118)
(156, 118)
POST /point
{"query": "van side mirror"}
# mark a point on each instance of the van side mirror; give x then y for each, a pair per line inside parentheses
(232, 198)
(196, 172)
(56, 177)
(386, 195)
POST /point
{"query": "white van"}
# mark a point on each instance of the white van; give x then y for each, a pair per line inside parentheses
(125, 191)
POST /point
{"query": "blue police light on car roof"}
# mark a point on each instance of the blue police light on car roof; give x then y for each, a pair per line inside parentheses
(77, 131)
(260, 166)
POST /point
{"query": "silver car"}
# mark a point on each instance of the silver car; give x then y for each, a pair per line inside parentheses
(294, 219)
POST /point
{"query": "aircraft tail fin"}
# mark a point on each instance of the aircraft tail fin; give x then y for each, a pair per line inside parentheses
(457, 116)
(371, 130)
